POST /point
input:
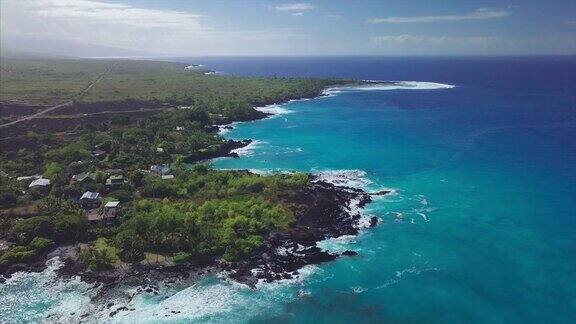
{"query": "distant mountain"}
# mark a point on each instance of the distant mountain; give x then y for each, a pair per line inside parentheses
(30, 46)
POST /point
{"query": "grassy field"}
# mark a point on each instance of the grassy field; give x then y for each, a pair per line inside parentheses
(46, 82)
(51, 81)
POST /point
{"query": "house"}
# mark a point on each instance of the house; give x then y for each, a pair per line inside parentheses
(90, 199)
(41, 182)
(84, 177)
(108, 213)
(115, 180)
(160, 169)
(111, 209)
(33, 177)
(98, 153)
(167, 177)
(159, 150)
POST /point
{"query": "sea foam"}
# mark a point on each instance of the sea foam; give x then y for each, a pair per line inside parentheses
(274, 109)
(347, 178)
(248, 150)
(377, 85)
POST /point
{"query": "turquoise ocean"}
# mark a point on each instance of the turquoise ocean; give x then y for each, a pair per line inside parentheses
(480, 155)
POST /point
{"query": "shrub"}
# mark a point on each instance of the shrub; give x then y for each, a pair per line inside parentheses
(182, 257)
(25, 230)
(17, 254)
(41, 244)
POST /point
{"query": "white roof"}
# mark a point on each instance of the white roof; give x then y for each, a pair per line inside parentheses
(90, 195)
(39, 182)
(112, 204)
(168, 176)
(29, 177)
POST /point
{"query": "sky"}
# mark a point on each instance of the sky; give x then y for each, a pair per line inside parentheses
(335, 27)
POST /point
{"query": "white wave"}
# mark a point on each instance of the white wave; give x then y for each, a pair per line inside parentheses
(422, 199)
(388, 85)
(274, 110)
(358, 289)
(408, 85)
(337, 244)
(248, 150)
(423, 216)
(402, 273)
(62, 300)
(347, 178)
(223, 129)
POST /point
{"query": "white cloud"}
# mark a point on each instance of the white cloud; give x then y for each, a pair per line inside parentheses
(133, 27)
(480, 14)
(571, 22)
(332, 16)
(97, 12)
(430, 40)
(295, 7)
(297, 14)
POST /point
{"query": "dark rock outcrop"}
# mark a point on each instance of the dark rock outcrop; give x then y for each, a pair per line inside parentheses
(349, 253)
(326, 214)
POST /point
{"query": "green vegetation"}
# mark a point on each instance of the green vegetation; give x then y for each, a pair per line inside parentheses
(198, 215)
(100, 255)
(49, 81)
(25, 253)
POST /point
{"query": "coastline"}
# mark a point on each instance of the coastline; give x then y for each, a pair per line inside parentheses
(230, 150)
(332, 212)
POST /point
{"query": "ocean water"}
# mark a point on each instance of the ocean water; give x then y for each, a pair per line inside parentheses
(480, 227)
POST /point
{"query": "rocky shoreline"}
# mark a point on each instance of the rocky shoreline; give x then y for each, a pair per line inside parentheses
(326, 211)
(331, 212)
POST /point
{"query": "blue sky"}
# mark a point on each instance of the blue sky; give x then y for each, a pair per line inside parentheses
(212, 27)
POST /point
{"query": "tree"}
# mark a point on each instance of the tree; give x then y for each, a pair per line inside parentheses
(131, 246)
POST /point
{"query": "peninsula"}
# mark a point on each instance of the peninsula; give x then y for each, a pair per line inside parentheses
(105, 163)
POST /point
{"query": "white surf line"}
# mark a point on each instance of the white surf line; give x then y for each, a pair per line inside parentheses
(381, 85)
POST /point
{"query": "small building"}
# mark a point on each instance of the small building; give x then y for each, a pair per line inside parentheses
(84, 177)
(161, 169)
(98, 153)
(32, 177)
(159, 150)
(107, 214)
(115, 180)
(41, 182)
(3, 174)
(114, 171)
(112, 204)
(111, 209)
(90, 199)
(167, 177)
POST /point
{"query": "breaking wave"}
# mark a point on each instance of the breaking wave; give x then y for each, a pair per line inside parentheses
(274, 110)
(376, 85)
(248, 150)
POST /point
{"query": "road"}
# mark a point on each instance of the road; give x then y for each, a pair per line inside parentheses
(60, 105)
